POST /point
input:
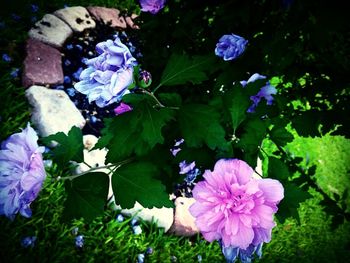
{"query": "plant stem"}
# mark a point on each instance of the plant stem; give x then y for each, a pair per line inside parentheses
(157, 101)
(156, 88)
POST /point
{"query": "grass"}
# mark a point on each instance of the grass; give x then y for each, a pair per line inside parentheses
(313, 239)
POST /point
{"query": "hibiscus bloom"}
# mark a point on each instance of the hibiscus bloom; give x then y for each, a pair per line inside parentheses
(235, 208)
(21, 173)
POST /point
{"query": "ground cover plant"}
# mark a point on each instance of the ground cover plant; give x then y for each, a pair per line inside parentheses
(192, 103)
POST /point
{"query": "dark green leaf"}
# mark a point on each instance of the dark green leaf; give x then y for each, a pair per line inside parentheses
(293, 196)
(135, 182)
(181, 69)
(281, 136)
(278, 169)
(254, 132)
(70, 147)
(170, 99)
(237, 102)
(86, 196)
(137, 131)
(199, 124)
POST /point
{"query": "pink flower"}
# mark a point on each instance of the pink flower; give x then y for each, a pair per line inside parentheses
(123, 107)
(235, 208)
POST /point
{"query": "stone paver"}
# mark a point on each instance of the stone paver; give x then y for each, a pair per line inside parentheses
(130, 21)
(108, 16)
(51, 30)
(53, 111)
(184, 222)
(77, 17)
(42, 65)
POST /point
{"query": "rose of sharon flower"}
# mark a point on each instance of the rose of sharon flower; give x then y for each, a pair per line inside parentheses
(122, 108)
(235, 208)
(152, 6)
(230, 46)
(21, 173)
(108, 75)
(265, 92)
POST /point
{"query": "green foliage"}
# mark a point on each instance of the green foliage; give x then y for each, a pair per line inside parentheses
(281, 136)
(70, 147)
(86, 196)
(135, 182)
(181, 69)
(199, 124)
(134, 132)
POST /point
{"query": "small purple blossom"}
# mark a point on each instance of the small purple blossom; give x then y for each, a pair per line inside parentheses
(28, 241)
(235, 208)
(15, 17)
(14, 73)
(108, 75)
(152, 6)
(186, 167)
(6, 58)
(230, 47)
(149, 251)
(176, 148)
(67, 80)
(192, 175)
(34, 8)
(231, 253)
(122, 108)
(21, 173)
(137, 230)
(79, 241)
(119, 218)
(69, 47)
(265, 92)
(140, 258)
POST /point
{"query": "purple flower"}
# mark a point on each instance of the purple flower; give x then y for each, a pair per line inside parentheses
(231, 253)
(6, 58)
(152, 6)
(234, 207)
(230, 46)
(28, 241)
(21, 173)
(265, 92)
(79, 241)
(108, 75)
(14, 73)
(34, 8)
(140, 258)
(123, 107)
(176, 148)
(186, 167)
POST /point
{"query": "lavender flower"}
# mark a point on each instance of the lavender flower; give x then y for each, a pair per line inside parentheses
(140, 258)
(6, 58)
(14, 73)
(230, 47)
(234, 207)
(176, 148)
(122, 108)
(34, 8)
(152, 6)
(265, 92)
(144, 79)
(21, 173)
(108, 75)
(79, 241)
(28, 241)
(186, 167)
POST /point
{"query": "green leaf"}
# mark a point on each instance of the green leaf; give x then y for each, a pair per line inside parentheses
(181, 69)
(86, 196)
(237, 102)
(250, 142)
(70, 147)
(199, 124)
(293, 196)
(281, 136)
(135, 182)
(278, 169)
(170, 99)
(137, 131)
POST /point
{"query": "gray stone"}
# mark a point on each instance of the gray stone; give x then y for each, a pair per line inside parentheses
(51, 30)
(184, 222)
(77, 17)
(107, 16)
(53, 111)
(163, 217)
(42, 65)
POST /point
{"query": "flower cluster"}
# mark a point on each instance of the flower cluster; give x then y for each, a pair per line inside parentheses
(265, 92)
(235, 208)
(230, 47)
(109, 74)
(21, 173)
